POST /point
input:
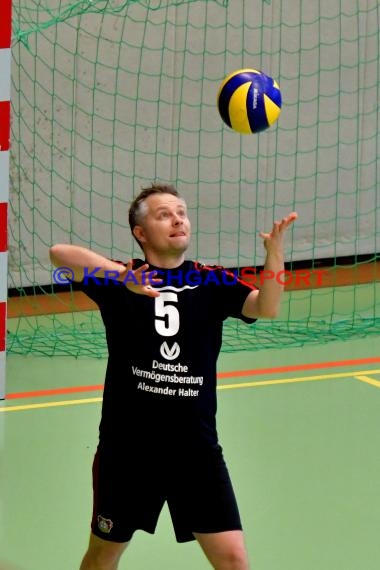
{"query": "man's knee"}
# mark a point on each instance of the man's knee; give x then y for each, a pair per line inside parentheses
(235, 558)
(102, 554)
(225, 550)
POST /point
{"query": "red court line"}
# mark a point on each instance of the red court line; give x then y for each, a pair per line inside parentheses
(232, 374)
(295, 367)
(56, 391)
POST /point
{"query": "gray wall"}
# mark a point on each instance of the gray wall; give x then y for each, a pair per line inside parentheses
(105, 104)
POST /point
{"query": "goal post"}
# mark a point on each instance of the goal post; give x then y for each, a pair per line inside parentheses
(5, 73)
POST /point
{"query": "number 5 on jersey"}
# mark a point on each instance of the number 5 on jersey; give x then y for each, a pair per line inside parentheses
(166, 314)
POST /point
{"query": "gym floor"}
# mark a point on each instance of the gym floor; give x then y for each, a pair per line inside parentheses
(300, 432)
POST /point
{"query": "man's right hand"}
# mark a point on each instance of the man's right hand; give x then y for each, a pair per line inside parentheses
(140, 280)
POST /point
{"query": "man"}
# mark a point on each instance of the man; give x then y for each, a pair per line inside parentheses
(158, 440)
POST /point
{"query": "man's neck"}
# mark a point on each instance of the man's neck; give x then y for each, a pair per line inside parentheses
(165, 261)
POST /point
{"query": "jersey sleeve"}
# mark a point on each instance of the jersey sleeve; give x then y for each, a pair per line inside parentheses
(99, 289)
(230, 294)
(233, 299)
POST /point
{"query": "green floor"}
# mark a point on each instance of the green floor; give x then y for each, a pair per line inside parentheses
(304, 457)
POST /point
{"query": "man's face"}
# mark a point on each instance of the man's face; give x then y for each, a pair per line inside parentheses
(164, 227)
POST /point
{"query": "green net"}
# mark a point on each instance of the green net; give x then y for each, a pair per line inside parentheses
(109, 96)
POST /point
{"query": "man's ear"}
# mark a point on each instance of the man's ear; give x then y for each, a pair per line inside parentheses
(138, 232)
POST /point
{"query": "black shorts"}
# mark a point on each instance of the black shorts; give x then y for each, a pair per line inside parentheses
(130, 489)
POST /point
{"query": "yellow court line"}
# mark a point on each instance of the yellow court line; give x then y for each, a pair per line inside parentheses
(50, 405)
(360, 375)
(368, 380)
(297, 379)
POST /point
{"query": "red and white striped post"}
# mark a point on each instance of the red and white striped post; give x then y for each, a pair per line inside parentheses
(5, 96)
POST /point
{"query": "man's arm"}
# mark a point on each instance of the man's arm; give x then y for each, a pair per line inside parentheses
(265, 303)
(79, 259)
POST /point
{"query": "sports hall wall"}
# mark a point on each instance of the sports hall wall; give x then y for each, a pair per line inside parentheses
(106, 103)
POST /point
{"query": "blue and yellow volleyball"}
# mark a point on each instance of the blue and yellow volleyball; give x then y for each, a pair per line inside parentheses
(249, 101)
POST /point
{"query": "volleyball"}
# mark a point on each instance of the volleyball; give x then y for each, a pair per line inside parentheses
(249, 101)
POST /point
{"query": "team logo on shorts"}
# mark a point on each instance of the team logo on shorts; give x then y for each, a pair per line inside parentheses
(104, 525)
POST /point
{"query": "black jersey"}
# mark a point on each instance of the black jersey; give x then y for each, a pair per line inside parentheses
(161, 375)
